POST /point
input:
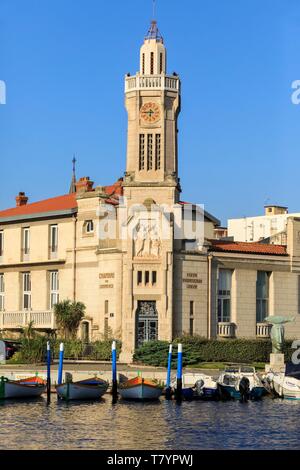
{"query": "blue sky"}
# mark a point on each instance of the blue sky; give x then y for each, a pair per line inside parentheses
(64, 63)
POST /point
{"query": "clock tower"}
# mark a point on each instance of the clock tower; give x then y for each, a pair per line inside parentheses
(152, 99)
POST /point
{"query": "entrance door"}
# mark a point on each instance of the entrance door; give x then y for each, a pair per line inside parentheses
(147, 322)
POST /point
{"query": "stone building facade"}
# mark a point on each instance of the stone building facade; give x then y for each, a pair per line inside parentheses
(123, 251)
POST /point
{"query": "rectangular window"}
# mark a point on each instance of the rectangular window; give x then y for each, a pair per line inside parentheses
(139, 277)
(152, 63)
(191, 326)
(154, 277)
(299, 294)
(142, 152)
(1, 242)
(143, 64)
(146, 277)
(262, 295)
(106, 306)
(191, 308)
(1, 292)
(26, 241)
(106, 328)
(224, 295)
(53, 239)
(161, 63)
(54, 288)
(157, 151)
(149, 151)
(26, 291)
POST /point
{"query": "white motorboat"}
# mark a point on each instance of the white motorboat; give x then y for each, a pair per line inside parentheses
(198, 386)
(240, 382)
(285, 384)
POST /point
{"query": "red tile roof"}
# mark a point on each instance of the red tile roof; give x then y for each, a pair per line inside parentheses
(246, 247)
(54, 204)
(60, 203)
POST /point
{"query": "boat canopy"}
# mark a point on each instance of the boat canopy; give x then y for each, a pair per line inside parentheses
(292, 370)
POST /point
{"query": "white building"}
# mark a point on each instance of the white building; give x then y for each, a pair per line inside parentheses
(270, 227)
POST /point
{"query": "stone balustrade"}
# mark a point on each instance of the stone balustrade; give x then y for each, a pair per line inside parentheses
(16, 320)
(226, 330)
(153, 82)
(263, 330)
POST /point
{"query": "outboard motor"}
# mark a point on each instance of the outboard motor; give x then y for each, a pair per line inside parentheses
(199, 387)
(244, 389)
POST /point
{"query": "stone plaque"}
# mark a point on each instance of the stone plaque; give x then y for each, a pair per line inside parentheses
(192, 280)
(2, 352)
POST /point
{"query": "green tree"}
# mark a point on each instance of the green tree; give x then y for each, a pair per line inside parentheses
(29, 332)
(68, 316)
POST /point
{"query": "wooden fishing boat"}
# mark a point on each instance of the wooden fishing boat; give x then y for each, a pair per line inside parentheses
(30, 387)
(88, 389)
(140, 389)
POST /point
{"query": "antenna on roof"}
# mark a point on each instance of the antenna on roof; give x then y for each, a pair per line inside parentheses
(154, 7)
(73, 180)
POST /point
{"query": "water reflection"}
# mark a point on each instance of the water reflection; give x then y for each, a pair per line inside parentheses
(269, 424)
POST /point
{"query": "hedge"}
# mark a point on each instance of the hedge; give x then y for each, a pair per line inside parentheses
(33, 350)
(197, 350)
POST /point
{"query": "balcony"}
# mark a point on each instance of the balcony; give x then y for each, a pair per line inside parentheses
(42, 320)
(226, 330)
(153, 82)
(263, 330)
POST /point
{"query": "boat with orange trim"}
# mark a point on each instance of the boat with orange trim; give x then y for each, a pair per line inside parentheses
(139, 388)
(30, 387)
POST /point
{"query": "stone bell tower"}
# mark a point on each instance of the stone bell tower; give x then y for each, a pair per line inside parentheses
(152, 99)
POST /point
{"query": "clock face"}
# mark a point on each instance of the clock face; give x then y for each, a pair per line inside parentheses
(150, 112)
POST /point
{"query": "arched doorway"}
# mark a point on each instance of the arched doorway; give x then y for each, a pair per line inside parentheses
(146, 322)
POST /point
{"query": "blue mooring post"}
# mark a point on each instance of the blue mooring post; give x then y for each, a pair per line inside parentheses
(48, 372)
(61, 363)
(179, 374)
(168, 384)
(114, 371)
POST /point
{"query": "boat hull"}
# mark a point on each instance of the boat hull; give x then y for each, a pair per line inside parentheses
(207, 393)
(230, 392)
(287, 388)
(81, 391)
(15, 390)
(140, 389)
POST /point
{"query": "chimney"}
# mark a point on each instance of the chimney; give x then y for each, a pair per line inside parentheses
(84, 185)
(21, 199)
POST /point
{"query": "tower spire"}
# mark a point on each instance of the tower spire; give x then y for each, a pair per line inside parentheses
(73, 180)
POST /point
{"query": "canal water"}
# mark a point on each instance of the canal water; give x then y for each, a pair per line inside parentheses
(268, 424)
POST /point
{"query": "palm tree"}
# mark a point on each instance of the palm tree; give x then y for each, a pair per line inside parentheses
(68, 316)
(29, 332)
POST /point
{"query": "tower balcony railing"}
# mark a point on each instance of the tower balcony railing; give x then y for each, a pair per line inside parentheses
(42, 319)
(152, 82)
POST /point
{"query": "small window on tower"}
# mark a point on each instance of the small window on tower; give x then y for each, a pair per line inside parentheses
(142, 152)
(154, 277)
(143, 64)
(89, 226)
(139, 277)
(157, 151)
(161, 63)
(146, 277)
(149, 151)
(152, 63)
